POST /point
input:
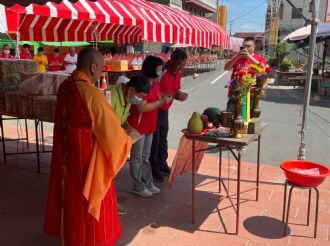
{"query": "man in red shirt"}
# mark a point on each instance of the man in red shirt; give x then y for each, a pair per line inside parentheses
(6, 52)
(245, 57)
(55, 62)
(25, 54)
(170, 84)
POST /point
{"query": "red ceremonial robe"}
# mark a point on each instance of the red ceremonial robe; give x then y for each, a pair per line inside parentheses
(74, 138)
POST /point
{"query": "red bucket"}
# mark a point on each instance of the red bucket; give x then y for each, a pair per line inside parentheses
(296, 172)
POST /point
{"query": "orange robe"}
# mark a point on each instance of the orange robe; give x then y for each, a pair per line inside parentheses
(90, 147)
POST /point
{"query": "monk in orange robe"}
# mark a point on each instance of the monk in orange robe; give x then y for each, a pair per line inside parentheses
(90, 147)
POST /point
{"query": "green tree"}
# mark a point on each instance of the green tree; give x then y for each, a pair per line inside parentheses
(281, 52)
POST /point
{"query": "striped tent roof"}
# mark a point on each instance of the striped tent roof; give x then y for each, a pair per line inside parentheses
(124, 21)
(28, 2)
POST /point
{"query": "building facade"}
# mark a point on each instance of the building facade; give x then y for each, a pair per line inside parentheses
(175, 4)
(283, 20)
(204, 8)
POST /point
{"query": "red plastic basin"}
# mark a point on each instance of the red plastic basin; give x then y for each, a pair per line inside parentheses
(304, 179)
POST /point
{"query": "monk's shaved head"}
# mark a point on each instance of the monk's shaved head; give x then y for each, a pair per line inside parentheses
(87, 57)
(91, 62)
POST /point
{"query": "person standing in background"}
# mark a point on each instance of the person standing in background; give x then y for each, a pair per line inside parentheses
(170, 85)
(6, 52)
(242, 60)
(26, 53)
(245, 57)
(56, 61)
(70, 60)
(41, 59)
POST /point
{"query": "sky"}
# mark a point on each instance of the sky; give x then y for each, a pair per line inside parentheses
(245, 15)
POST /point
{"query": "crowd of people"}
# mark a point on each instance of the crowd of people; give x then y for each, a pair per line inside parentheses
(95, 131)
(53, 63)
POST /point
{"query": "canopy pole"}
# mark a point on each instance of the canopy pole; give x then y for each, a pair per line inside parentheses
(311, 51)
(17, 55)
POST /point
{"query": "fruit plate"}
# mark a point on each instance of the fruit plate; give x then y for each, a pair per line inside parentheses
(187, 133)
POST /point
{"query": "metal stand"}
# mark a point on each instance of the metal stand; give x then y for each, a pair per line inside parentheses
(3, 140)
(37, 123)
(221, 182)
(286, 213)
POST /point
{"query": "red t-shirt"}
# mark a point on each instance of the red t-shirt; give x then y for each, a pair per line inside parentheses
(170, 83)
(25, 55)
(53, 58)
(245, 63)
(2, 56)
(146, 123)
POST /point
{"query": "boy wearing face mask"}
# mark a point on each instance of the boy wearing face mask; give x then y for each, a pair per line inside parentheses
(6, 52)
(143, 118)
(121, 97)
(56, 61)
(41, 59)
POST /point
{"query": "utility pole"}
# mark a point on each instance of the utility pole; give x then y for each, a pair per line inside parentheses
(312, 40)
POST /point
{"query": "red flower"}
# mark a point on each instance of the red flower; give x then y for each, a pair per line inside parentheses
(269, 69)
(252, 72)
(240, 73)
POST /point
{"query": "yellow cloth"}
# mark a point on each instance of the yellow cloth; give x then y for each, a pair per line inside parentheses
(42, 62)
(248, 107)
(111, 148)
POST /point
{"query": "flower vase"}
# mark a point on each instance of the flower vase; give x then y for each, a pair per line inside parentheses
(238, 123)
(259, 86)
(256, 111)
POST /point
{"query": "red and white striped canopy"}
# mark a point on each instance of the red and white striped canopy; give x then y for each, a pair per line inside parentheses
(28, 2)
(123, 21)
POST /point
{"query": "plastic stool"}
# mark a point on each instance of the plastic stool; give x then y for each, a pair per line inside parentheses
(309, 204)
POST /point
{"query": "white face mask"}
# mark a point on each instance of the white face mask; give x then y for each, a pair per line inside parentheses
(135, 100)
(6, 52)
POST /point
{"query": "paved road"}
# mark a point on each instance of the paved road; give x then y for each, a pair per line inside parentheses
(281, 109)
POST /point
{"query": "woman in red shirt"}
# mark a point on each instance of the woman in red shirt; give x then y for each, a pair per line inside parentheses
(143, 118)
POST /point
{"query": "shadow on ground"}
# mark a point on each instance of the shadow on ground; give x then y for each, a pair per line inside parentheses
(294, 96)
(265, 227)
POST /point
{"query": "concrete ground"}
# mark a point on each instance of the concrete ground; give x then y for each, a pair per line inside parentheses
(165, 219)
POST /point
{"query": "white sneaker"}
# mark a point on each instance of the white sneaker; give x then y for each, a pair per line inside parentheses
(154, 189)
(144, 193)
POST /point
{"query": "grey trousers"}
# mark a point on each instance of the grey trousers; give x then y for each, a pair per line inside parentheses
(140, 167)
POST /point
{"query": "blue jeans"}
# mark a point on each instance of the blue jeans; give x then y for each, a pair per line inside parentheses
(140, 168)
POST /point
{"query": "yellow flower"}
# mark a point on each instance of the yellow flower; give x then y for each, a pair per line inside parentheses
(257, 68)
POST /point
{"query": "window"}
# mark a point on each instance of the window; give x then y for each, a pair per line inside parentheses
(295, 14)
